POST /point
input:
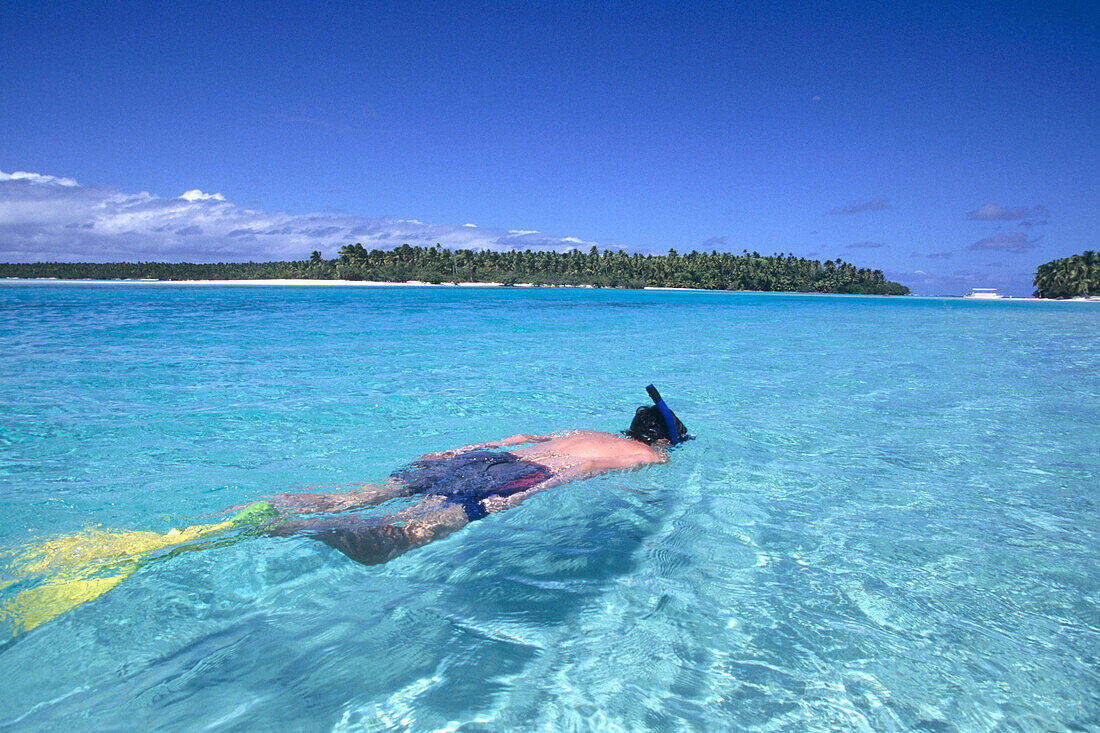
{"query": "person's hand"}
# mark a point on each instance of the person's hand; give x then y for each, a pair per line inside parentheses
(438, 456)
(494, 504)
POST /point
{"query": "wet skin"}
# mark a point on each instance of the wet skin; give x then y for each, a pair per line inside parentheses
(569, 456)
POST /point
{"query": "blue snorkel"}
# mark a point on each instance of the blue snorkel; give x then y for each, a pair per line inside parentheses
(674, 437)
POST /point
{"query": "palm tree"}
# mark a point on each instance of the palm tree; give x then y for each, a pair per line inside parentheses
(1075, 276)
(1090, 282)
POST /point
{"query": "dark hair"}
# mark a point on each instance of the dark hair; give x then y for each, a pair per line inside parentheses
(648, 426)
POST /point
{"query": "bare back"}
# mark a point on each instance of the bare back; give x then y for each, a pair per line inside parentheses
(587, 453)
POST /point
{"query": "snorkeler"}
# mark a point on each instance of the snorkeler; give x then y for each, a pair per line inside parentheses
(457, 487)
(465, 484)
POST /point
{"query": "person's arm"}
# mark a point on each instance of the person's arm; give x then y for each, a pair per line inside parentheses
(518, 439)
(337, 501)
(585, 470)
(494, 504)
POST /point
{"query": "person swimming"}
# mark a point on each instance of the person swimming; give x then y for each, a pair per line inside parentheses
(456, 487)
(465, 484)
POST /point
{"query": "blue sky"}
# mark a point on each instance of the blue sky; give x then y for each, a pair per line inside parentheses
(952, 146)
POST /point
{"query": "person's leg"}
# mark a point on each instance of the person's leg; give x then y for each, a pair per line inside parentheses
(338, 501)
(375, 540)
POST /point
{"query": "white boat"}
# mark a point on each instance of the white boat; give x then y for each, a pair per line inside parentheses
(984, 293)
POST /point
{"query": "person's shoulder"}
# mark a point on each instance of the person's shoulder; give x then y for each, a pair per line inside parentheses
(635, 450)
(610, 439)
(576, 436)
(595, 434)
(649, 453)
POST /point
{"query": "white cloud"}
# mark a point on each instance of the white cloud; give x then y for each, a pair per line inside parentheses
(861, 207)
(1012, 242)
(197, 195)
(995, 212)
(36, 178)
(46, 218)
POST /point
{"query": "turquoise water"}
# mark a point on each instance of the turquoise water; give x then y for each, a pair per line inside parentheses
(889, 520)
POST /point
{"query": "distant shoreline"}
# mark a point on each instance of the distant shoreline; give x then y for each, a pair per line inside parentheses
(369, 283)
(526, 268)
(421, 284)
(388, 284)
(285, 281)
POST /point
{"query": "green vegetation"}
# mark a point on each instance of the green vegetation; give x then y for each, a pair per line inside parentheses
(713, 271)
(1070, 277)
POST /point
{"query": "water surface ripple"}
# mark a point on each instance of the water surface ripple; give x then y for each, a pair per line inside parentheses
(888, 521)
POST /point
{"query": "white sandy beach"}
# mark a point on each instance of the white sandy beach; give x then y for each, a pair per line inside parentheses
(287, 281)
(296, 281)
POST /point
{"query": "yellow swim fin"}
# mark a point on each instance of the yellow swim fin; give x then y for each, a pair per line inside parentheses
(76, 568)
(82, 566)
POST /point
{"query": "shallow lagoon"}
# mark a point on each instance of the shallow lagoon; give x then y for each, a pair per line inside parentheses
(889, 519)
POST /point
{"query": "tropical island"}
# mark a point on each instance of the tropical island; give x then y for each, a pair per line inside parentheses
(1077, 276)
(708, 271)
